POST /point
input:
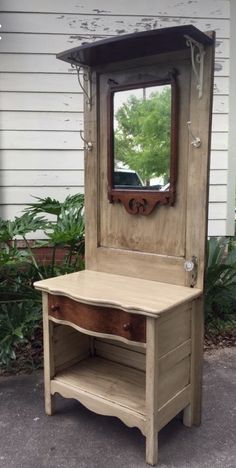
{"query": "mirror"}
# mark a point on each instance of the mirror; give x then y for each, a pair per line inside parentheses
(142, 130)
(142, 144)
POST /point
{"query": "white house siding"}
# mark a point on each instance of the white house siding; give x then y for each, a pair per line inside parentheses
(41, 103)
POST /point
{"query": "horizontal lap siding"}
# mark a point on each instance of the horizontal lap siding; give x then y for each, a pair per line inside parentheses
(42, 106)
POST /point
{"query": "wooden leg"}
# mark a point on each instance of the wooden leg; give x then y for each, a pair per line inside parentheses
(151, 392)
(48, 357)
(192, 413)
(152, 446)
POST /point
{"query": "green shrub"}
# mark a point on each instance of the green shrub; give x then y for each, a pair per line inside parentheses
(18, 321)
(20, 303)
(220, 285)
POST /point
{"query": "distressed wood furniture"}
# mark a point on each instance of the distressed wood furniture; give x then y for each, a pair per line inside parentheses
(124, 337)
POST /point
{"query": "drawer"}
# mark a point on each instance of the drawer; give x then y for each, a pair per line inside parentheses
(104, 320)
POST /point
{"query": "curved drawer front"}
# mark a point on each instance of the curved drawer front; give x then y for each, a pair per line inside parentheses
(104, 320)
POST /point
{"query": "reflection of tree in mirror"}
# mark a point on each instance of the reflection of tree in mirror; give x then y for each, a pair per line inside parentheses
(142, 134)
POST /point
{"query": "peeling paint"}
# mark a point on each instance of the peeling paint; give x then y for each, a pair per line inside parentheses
(218, 66)
(101, 11)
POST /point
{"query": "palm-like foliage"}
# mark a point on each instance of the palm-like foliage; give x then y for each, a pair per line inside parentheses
(220, 280)
(20, 303)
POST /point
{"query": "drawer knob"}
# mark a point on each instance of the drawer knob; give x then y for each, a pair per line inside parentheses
(55, 307)
(127, 326)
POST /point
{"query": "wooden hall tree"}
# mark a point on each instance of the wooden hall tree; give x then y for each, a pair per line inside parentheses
(124, 337)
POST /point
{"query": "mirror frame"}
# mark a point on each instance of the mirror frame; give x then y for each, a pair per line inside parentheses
(143, 201)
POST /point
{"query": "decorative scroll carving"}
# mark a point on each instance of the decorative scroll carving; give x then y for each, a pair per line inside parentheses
(136, 203)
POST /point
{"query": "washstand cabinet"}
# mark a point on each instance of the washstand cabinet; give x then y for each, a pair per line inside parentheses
(125, 336)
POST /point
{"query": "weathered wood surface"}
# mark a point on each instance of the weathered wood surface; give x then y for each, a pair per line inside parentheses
(39, 160)
(51, 102)
(52, 44)
(18, 195)
(69, 347)
(152, 391)
(198, 174)
(47, 63)
(130, 294)
(153, 233)
(44, 178)
(100, 24)
(14, 139)
(49, 364)
(108, 380)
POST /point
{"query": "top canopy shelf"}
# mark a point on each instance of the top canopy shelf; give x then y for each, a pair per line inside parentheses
(131, 46)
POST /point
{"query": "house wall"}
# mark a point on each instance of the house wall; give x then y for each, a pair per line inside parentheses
(41, 102)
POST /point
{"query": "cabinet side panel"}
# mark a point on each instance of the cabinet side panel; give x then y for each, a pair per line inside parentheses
(69, 346)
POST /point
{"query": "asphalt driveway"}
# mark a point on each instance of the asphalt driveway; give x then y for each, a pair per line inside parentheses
(77, 438)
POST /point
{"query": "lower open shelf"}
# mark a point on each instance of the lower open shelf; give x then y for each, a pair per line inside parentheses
(105, 387)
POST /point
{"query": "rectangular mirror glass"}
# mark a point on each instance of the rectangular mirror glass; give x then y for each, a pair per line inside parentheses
(142, 138)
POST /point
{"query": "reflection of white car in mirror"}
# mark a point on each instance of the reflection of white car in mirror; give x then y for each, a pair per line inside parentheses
(165, 188)
(128, 178)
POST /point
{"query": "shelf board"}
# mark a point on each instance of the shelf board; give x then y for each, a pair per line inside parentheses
(107, 381)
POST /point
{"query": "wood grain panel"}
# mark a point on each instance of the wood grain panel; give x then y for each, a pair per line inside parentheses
(174, 329)
(69, 346)
(153, 233)
(133, 295)
(173, 381)
(198, 176)
(116, 353)
(109, 381)
(103, 320)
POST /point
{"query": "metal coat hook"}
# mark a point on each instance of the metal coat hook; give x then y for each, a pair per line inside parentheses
(87, 78)
(196, 143)
(88, 144)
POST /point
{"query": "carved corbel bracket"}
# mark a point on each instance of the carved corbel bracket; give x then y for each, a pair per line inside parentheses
(87, 90)
(197, 58)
